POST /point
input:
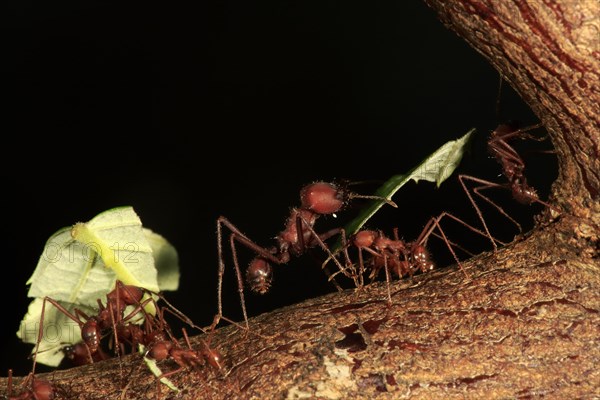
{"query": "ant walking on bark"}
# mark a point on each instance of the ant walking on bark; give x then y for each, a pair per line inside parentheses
(111, 320)
(398, 257)
(500, 147)
(40, 389)
(154, 334)
(95, 327)
(317, 199)
(513, 169)
(163, 348)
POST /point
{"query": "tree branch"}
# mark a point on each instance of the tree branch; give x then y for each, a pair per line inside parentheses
(549, 51)
(526, 323)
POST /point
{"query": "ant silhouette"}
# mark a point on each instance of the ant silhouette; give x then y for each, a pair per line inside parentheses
(499, 146)
(317, 199)
(513, 169)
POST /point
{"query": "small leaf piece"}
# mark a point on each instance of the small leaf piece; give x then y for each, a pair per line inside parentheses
(80, 265)
(435, 168)
(153, 367)
(166, 260)
(59, 330)
(117, 236)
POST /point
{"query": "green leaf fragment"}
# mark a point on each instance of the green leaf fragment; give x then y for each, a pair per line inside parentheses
(81, 264)
(166, 260)
(436, 168)
(153, 367)
(117, 236)
(59, 330)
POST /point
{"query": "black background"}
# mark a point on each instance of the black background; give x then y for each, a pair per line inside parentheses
(228, 108)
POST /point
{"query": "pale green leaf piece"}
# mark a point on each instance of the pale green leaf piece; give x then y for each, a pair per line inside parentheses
(151, 363)
(59, 330)
(166, 260)
(117, 236)
(435, 168)
(81, 264)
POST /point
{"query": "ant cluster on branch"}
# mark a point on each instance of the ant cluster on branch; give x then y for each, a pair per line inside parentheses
(373, 250)
(132, 318)
(115, 330)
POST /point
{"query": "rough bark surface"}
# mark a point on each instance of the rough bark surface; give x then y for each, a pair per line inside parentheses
(549, 51)
(524, 324)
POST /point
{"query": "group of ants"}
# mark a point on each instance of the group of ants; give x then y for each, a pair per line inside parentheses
(117, 327)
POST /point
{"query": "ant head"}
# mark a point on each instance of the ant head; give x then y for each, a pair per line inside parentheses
(322, 197)
(160, 350)
(523, 193)
(509, 126)
(77, 354)
(421, 258)
(259, 275)
(214, 358)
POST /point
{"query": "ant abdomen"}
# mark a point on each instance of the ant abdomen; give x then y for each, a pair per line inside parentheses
(259, 275)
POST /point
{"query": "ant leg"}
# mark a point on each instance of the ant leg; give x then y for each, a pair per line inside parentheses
(221, 272)
(240, 280)
(387, 279)
(326, 249)
(431, 225)
(461, 179)
(238, 236)
(467, 252)
(303, 246)
(67, 313)
(323, 237)
(347, 260)
(518, 133)
(477, 190)
(361, 264)
(435, 223)
(9, 384)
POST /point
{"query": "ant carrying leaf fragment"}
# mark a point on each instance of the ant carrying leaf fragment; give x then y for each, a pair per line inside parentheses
(80, 264)
(435, 168)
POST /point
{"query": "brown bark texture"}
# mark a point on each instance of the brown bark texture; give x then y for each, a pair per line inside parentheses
(525, 323)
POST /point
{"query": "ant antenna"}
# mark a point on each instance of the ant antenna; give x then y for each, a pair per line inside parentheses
(499, 96)
(373, 197)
